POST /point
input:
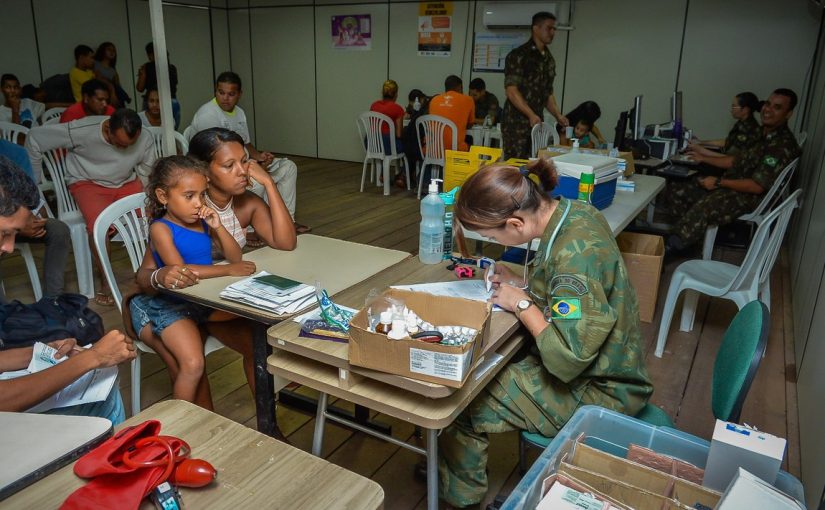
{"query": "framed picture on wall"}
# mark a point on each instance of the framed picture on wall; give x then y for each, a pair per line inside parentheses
(352, 32)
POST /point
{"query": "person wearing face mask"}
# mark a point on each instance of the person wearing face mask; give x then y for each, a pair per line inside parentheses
(711, 200)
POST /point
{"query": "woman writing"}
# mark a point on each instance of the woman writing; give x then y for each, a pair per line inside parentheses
(229, 171)
(745, 133)
(577, 304)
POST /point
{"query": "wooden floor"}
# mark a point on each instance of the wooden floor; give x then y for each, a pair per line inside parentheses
(329, 201)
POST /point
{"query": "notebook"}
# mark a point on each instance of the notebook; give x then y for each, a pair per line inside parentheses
(36, 445)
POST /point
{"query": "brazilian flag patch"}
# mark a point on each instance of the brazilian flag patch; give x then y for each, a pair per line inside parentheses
(562, 308)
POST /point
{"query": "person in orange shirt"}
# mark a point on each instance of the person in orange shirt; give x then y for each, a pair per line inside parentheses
(459, 108)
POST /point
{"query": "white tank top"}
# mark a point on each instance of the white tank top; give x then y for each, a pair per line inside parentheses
(230, 223)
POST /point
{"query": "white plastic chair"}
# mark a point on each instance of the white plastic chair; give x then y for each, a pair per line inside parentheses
(157, 137)
(540, 136)
(778, 191)
(188, 133)
(52, 116)
(31, 268)
(370, 125)
(54, 162)
(12, 132)
(128, 217)
(429, 130)
(741, 284)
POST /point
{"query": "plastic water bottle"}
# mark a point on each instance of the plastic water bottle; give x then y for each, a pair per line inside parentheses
(613, 152)
(488, 122)
(575, 145)
(431, 233)
(417, 105)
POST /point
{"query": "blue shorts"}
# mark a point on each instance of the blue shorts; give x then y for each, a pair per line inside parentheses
(163, 311)
(111, 408)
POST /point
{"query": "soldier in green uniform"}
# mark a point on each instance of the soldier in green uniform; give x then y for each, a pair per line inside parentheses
(578, 305)
(529, 71)
(720, 200)
(746, 133)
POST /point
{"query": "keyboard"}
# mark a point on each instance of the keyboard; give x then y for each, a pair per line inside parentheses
(676, 171)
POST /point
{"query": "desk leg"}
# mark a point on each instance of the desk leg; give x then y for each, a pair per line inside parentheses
(264, 383)
(320, 419)
(432, 469)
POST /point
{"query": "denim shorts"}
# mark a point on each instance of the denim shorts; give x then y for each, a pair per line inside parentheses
(163, 311)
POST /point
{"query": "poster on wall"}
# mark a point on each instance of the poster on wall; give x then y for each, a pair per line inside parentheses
(491, 50)
(435, 29)
(352, 32)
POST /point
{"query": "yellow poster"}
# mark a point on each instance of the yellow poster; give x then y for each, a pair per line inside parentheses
(435, 29)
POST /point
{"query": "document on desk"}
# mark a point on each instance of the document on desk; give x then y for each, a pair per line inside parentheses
(468, 289)
(93, 386)
(253, 292)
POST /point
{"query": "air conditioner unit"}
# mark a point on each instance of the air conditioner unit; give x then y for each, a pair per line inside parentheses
(516, 14)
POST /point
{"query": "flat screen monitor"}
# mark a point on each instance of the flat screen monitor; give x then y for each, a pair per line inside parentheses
(636, 118)
(621, 131)
(676, 106)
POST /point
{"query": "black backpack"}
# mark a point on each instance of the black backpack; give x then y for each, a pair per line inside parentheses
(51, 318)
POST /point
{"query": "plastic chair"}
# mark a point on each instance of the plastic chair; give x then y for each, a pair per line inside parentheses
(541, 137)
(157, 137)
(128, 218)
(54, 163)
(13, 132)
(188, 133)
(31, 268)
(370, 125)
(430, 132)
(778, 191)
(52, 116)
(741, 284)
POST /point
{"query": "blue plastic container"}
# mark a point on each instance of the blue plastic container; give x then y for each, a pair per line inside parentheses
(613, 433)
(570, 167)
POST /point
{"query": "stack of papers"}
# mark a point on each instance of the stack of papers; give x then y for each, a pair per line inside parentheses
(261, 295)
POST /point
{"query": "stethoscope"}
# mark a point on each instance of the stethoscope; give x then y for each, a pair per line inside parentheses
(547, 249)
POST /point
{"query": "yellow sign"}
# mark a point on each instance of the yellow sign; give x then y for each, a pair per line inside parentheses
(435, 8)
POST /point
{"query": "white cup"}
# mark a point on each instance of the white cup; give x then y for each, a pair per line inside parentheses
(568, 132)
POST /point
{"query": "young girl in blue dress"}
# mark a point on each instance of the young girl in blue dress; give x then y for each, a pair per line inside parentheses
(181, 231)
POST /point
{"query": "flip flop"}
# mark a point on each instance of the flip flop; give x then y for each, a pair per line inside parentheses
(253, 241)
(104, 299)
(302, 229)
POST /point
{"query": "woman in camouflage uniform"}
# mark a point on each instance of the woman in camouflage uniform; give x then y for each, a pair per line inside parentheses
(746, 132)
(577, 303)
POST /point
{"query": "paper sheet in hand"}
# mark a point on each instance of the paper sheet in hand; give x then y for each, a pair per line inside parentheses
(93, 386)
(467, 289)
(266, 297)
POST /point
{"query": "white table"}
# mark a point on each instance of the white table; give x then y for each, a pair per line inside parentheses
(626, 206)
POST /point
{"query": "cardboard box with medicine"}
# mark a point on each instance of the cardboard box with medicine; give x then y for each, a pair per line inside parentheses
(736, 446)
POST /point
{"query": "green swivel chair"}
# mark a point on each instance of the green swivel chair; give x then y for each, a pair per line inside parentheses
(737, 361)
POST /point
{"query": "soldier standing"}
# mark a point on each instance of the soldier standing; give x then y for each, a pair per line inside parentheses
(529, 71)
(578, 305)
(720, 200)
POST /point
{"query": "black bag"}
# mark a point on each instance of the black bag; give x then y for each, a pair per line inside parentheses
(51, 318)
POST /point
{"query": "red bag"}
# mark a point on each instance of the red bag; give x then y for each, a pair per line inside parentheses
(117, 485)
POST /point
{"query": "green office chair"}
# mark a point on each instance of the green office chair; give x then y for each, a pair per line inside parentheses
(734, 370)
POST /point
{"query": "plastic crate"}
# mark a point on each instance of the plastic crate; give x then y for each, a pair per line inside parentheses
(613, 432)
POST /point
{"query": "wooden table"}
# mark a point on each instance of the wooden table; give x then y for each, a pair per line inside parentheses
(336, 264)
(323, 365)
(625, 207)
(254, 470)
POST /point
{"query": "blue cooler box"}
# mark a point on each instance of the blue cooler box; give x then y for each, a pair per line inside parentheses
(570, 167)
(613, 432)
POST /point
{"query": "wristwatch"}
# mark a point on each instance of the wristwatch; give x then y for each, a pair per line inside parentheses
(521, 306)
(718, 182)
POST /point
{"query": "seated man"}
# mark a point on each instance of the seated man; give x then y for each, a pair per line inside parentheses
(223, 111)
(41, 229)
(83, 70)
(18, 195)
(16, 109)
(103, 156)
(486, 102)
(457, 107)
(95, 102)
(719, 201)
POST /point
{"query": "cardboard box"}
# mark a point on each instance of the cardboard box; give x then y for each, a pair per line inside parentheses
(556, 150)
(749, 491)
(459, 165)
(643, 255)
(734, 446)
(442, 364)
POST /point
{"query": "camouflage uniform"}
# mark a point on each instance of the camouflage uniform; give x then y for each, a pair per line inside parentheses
(591, 356)
(533, 74)
(745, 133)
(697, 208)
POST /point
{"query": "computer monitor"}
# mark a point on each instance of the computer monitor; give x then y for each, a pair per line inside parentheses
(621, 131)
(676, 106)
(636, 118)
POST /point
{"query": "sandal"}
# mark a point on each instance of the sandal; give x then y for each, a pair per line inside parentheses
(104, 299)
(302, 229)
(254, 241)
